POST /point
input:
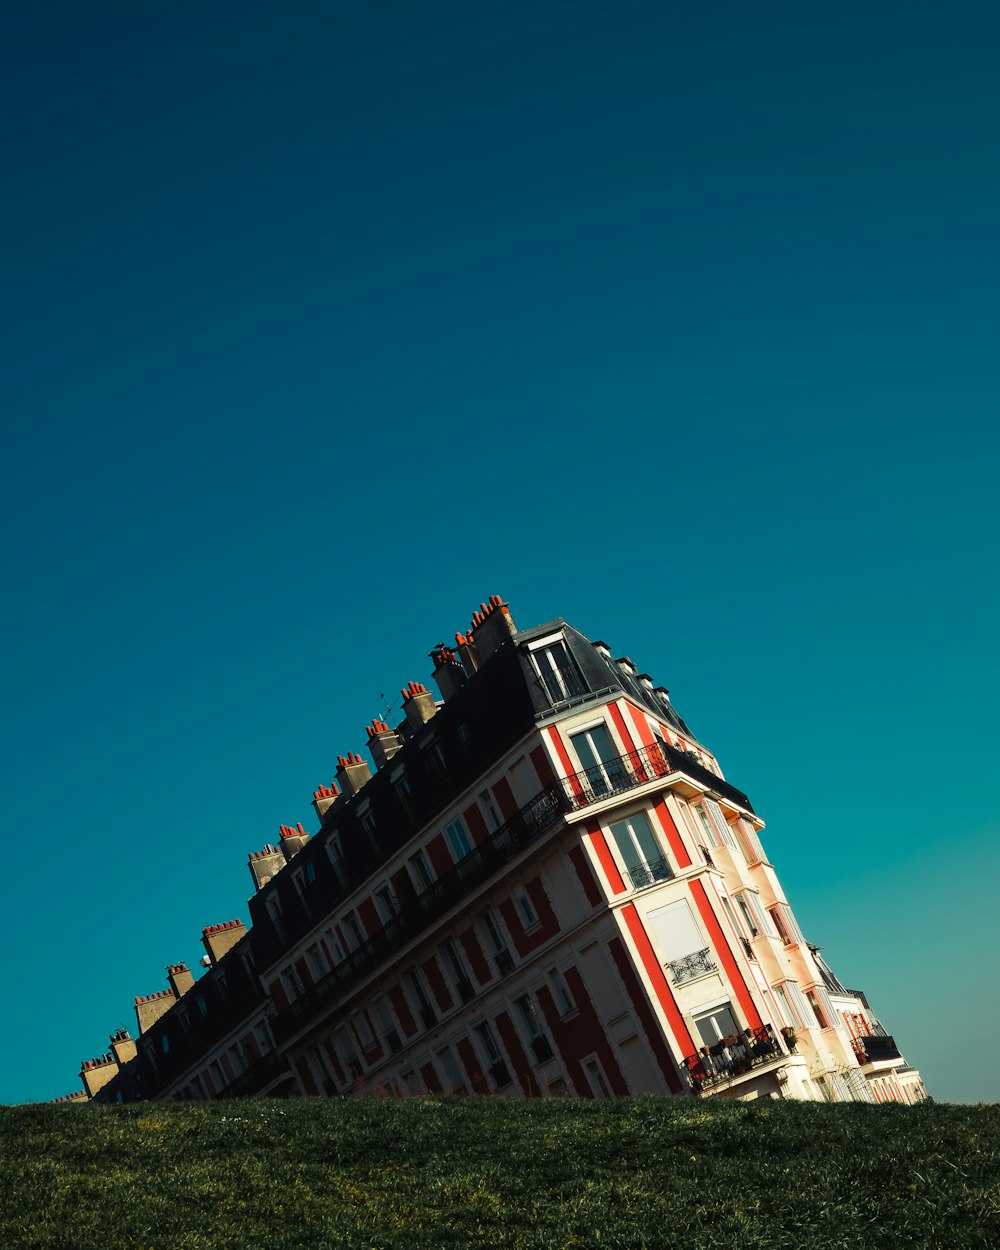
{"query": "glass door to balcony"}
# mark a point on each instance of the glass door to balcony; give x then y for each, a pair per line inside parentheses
(603, 769)
(638, 847)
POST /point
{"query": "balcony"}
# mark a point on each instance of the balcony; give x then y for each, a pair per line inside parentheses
(626, 772)
(732, 1057)
(643, 875)
(875, 1050)
(691, 967)
(255, 1078)
(526, 826)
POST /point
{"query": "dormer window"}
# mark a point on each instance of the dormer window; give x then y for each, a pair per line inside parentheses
(557, 671)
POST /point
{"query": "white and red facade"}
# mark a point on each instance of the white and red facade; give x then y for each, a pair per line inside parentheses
(546, 886)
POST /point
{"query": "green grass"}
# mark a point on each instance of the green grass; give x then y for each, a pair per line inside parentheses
(462, 1172)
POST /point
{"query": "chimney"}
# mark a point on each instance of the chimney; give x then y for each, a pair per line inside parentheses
(324, 798)
(150, 1007)
(465, 644)
(264, 864)
(292, 840)
(448, 672)
(221, 938)
(352, 773)
(492, 626)
(383, 742)
(418, 704)
(95, 1073)
(122, 1046)
(78, 1095)
(181, 979)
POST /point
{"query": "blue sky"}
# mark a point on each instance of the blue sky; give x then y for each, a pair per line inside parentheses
(321, 323)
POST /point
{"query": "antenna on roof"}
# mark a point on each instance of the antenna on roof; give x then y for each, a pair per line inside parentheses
(386, 704)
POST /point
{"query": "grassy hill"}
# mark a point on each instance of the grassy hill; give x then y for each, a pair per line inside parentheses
(468, 1172)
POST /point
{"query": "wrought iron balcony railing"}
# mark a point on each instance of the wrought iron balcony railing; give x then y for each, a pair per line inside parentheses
(690, 967)
(875, 1049)
(636, 768)
(524, 827)
(642, 875)
(733, 1056)
(259, 1074)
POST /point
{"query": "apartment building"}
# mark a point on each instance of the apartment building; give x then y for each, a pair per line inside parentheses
(538, 883)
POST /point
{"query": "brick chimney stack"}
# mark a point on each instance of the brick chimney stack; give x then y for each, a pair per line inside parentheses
(265, 864)
(383, 742)
(292, 840)
(151, 1007)
(492, 626)
(324, 798)
(219, 939)
(448, 672)
(465, 645)
(122, 1046)
(95, 1073)
(181, 979)
(352, 773)
(418, 704)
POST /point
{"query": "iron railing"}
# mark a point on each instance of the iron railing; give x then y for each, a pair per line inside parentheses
(642, 875)
(259, 1074)
(875, 1049)
(690, 967)
(732, 1057)
(524, 827)
(636, 768)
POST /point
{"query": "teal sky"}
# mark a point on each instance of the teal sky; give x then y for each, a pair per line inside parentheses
(322, 322)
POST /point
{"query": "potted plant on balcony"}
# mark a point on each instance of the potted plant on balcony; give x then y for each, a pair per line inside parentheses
(790, 1036)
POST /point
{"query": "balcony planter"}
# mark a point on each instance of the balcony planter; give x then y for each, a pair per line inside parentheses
(790, 1036)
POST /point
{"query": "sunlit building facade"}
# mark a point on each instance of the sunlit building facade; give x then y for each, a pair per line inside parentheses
(538, 883)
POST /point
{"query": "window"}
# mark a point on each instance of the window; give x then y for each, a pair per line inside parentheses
(315, 962)
(458, 839)
(494, 1060)
(365, 1035)
(708, 828)
(353, 931)
(596, 1078)
(369, 827)
(784, 922)
(386, 1024)
(424, 1009)
(334, 946)
(310, 873)
(715, 1024)
(490, 808)
(748, 916)
(420, 870)
(537, 1040)
(529, 916)
(715, 812)
(560, 990)
(600, 760)
(336, 858)
(497, 943)
(791, 993)
(274, 915)
(637, 845)
(558, 672)
(435, 755)
(404, 793)
(459, 972)
(761, 916)
(385, 902)
(344, 1044)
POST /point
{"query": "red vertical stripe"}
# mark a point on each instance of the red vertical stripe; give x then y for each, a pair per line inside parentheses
(543, 768)
(437, 853)
(369, 916)
(658, 981)
(403, 1012)
(673, 834)
(605, 859)
(622, 728)
(477, 1080)
(641, 725)
(505, 797)
(647, 1019)
(578, 858)
(431, 1081)
(722, 949)
(437, 983)
(512, 1044)
(476, 822)
(477, 960)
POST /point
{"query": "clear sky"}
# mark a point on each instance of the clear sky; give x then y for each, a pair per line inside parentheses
(322, 322)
